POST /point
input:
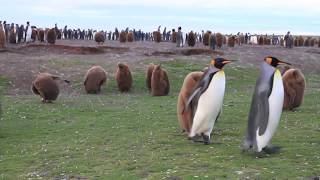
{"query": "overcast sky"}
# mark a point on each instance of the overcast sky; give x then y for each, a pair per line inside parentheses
(226, 16)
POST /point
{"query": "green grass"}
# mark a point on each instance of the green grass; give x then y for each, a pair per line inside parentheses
(135, 136)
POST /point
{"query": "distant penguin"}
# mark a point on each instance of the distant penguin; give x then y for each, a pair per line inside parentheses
(46, 86)
(160, 85)
(294, 85)
(191, 39)
(2, 36)
(51, 36)
(95, 77)
(41, 35)
(219, 39)
(28, 34)
(123, 77)
(99, 37)
(12, 35)
(149, 75)
(123, 37)
(266, 107)
(185, 116)
(207, 99)
(130, 37)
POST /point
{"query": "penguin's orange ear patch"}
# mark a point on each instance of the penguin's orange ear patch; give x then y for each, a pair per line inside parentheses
(269, 60)
(213, 62)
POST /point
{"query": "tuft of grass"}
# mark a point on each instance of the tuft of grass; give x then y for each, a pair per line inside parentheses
(137, 136)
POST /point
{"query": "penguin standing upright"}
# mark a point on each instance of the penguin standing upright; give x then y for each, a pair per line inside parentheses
(206, 100)
(266, 107)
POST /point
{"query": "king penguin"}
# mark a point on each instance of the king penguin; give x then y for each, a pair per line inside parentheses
(266, 107)
(206, 100)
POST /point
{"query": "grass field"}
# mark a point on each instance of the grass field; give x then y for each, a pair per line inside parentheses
(135, 135)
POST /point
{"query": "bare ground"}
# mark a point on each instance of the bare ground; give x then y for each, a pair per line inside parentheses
(70, 59)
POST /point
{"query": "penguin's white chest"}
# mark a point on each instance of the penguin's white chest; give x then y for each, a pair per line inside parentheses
(209, 105)
(275, 109)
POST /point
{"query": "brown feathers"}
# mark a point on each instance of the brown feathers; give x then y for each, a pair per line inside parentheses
(2, 37)
(41, 35)
(51, 36)
(46, 86)
(157, 36)
(159, 82)
(206, 38)
(99, 37)
(231, 41)
(130, 37)
(185, 116)
(260, 40)
(191, 39)
(12, 36)
(149, 75)
(294, 85)
(123, 37)
(94, 79)
(219, 39)
(174, 37)
(123, 77)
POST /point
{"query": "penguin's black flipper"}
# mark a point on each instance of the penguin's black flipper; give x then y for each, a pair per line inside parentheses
(201, 88)
(263, 112)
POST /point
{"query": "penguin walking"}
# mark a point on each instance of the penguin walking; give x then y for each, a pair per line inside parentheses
(206, 100)
(266, 107)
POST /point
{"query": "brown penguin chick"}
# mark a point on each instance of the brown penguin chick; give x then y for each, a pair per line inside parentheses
(130, 37)
(160, 85)
(51, 36)
(294, 84)
(99, 37)
(95, 77)
(123, 77)
(46, 86)
(191, 39)
(2, 36)
(219, 38)
(149, 75)
(185, 116)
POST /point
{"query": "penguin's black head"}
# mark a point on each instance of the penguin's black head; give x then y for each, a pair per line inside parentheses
(219, 62)
(274, 61)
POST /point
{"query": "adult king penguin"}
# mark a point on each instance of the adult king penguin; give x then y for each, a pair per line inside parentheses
(206, 100)
(266, 107)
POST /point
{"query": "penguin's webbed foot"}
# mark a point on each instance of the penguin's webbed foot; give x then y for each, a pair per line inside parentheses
(195, 138)
(261, 154)
(206, 139)
(271, 149)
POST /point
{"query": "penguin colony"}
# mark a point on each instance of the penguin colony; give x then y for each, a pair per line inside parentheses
(201, 96)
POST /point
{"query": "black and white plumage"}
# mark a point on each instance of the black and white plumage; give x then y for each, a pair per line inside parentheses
(266, 106)
(207, 99)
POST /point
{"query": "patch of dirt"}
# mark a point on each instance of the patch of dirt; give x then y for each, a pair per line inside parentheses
(197, 51)
(65, 49)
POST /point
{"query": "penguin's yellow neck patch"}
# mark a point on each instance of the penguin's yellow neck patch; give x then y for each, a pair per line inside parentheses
(277, 73)
(220, 73)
